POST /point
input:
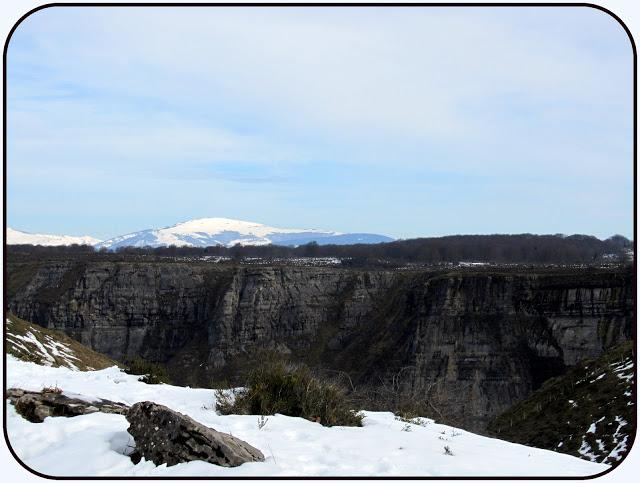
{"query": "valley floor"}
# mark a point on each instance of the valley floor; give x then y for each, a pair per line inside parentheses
(97, 444)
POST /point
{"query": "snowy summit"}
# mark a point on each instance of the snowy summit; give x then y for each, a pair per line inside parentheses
(203, 232)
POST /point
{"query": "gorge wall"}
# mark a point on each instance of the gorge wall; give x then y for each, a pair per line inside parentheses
(472, 343)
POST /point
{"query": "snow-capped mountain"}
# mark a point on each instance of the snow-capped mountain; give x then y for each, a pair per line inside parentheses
(17, 237)
(204, 232)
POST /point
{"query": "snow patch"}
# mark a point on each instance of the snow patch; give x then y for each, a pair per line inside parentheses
(46, 347)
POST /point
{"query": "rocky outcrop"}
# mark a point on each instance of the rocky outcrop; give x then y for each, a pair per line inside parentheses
(470, 342)
(165, 436)
(36, 406)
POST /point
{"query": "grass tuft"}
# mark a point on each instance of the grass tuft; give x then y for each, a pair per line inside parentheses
(281, 387)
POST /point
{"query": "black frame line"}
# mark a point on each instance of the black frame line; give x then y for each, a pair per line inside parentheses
(318, 4)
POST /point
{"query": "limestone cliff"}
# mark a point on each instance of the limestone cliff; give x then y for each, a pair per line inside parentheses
(472, 343)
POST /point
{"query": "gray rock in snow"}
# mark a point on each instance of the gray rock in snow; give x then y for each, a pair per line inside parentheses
(166, 436)
(35, 406)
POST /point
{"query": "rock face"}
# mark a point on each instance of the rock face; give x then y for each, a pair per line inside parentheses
(472, 343)
(35, 406)
(166, 436)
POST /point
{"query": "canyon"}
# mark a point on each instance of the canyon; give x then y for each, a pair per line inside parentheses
(470, 342)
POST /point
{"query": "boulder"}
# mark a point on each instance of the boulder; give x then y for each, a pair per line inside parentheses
(35, 406)
(166, 436)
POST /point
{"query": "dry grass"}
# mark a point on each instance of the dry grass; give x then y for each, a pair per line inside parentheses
(277, 386)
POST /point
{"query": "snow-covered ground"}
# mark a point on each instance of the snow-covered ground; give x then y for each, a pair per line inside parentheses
(97, 444)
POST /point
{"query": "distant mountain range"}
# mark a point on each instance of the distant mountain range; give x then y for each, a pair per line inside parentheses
(205, 232)
(16, 237)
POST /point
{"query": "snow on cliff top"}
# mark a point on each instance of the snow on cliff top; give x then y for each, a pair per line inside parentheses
(30, 342)
(97, 444)
(17, 237)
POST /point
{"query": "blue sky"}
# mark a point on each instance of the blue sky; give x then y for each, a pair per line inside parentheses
(405, 122)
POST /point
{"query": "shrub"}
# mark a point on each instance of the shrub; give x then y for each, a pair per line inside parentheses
(150, 372)
(280, 387)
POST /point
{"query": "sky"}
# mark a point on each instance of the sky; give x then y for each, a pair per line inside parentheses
(399, 121)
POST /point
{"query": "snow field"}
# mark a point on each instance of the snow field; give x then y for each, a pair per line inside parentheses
(98, 444)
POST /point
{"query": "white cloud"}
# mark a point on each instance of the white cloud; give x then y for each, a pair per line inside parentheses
(407, 74)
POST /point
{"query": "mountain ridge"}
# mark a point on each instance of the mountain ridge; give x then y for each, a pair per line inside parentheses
(202, 232)
(218, 231)
(226, 232)
(19, 237)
